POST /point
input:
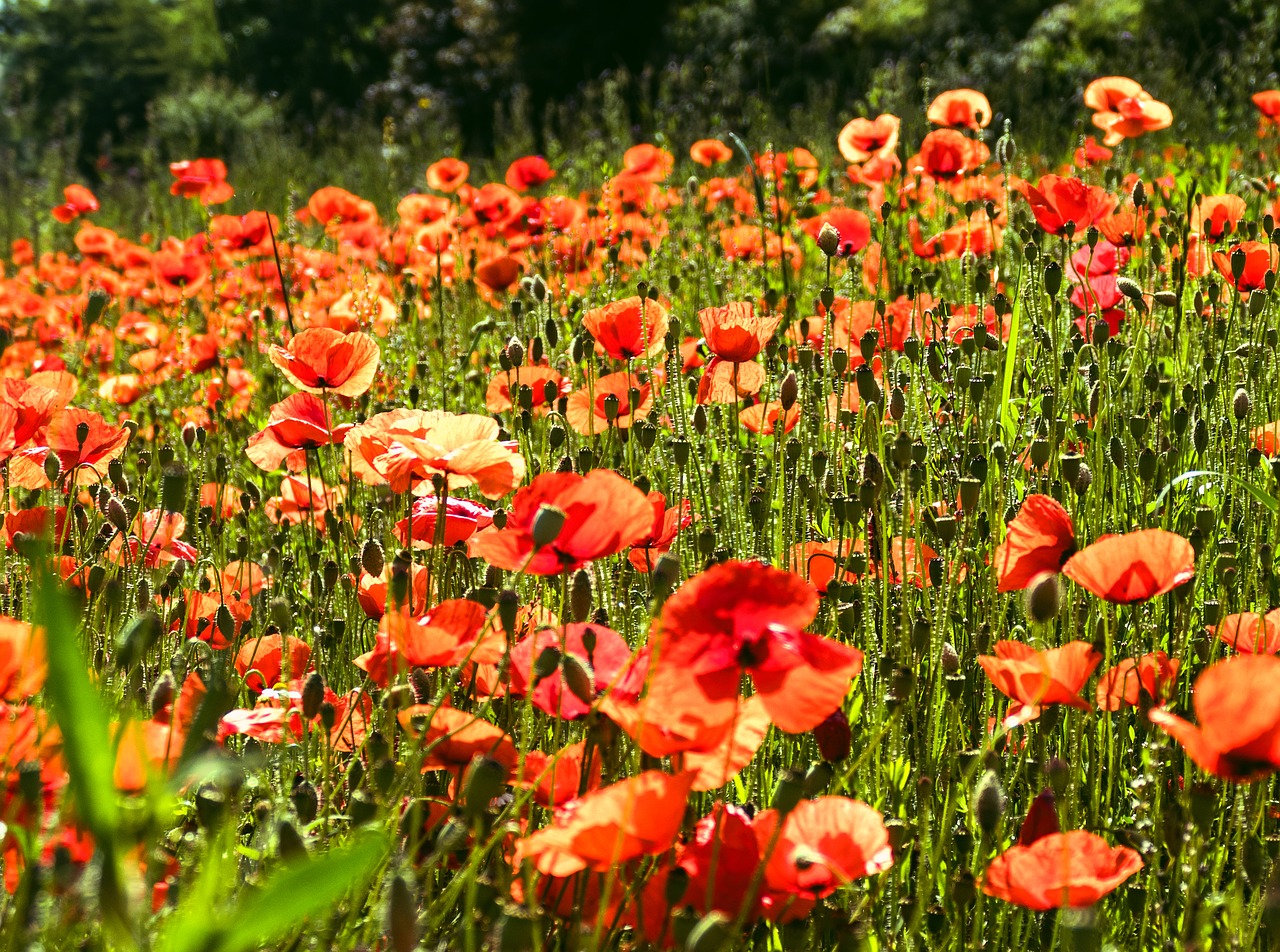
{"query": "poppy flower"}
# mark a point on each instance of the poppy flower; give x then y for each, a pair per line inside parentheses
(853, 227)
(1258, 259)
(462, 519)
(204, 179)
(746, 618)
(769, 419)
(296, 424)
(977, 235)
(79, 201)
(627, 329)
(507, 389)
(1133, 567)
(824, 844)
(1153, 675)
(1039, 539)
(734, 332)
(1268, 103)
(1216, 216)
(262, 661)
(727, 381)
(960, 109)
(156, 539)
(1033, 678)
(444, 636)
(947, 155)
(82, 461)
(1107, 92)
(632, 818)
(721, 859)
(373, 592)
(604, 514)
(648, 162)
(1237, 704)
(447, 174)
(861, 139)
(528, 172)
(303, 499)
(405, 448)
(554, 695)
(22, 659)
(666, 525)
(709, 152)
(1057, 202)
(320, 359)
(716, 763)
(1128, 117)
(1073, 869)
(452, 738)
(1249, 632)
(1091, 154)
(614, 400)
(556, 778)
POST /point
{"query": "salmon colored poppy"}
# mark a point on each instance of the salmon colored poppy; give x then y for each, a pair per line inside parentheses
(1259, 260)
(946, 155)
(726, 381)
(506, 389)
(709, 152)
(81, 461)
(262, 661)
(746, 618)
(1107, 92)
(1073, 869)
(734, 332)
(960, 109)
(648, 162)
(627, 329)
(1153, 675)
(297, 423)
(769, 419)
(824, 844)
(1237, 705)
(1039, 539)
(1133, 567)
(320, 360)
(666, 525)
(1250, 632)
(614, 400)
(462, 519)
(632, 818)
(22, 659)
(204, 179)
(1058, 202)
(604, 514)
(447, 174)
(602, 662)
(1131, 117)
(1033, 678)
(303, 499)
(1216, 216)
(861, 139)
(79, 201)
(374, 593)
(406, 448)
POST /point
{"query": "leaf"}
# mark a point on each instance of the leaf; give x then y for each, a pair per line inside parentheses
(1261, 495)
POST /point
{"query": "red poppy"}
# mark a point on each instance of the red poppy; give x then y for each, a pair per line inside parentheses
(1041, 820)
(1039, 539)
(734, 332)
(1216, 216)
(556, 778)
(853, 227)
(1268, 103)
(82, 461)
(156, 540)
(1091, 154)
(769, 419)
(604, 514)
(445, 636)
(947, 155)
(555, 695)
(1033, 678)
(1107, 92)
(1153, 675)
(1073, 869)
(453, 738)
(544, 384)
(462, 519)
(447, 174)
(824, 844)
(960, 109)
(1057, 202)
(261, 661)
(709, 152)
(1133, 567)
(636, 817)
(666, 525)
(1237, 702)
(747, 618)
(1259, 259)
(861, 139)
(321, 359)
(528, 172)
(1247, 632)
(976, 235)
(79, 201)
(588, 409)
(296, 424)
(22, 659)
(205, 179)
(627, 329)
(648, 162)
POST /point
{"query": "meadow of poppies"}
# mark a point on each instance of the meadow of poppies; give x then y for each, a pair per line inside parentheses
(864, 544)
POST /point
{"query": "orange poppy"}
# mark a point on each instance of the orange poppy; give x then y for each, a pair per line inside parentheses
(627, 329)
(726, 381)
(734, 332)
(1091, 154)
(321, 359)
(960, 109)
(553, 694)
(205, 179)
(506, 389)
(444, 636)
(588, 409)
(452, 738)
(1237, 704)
(1035, 678)
(556, 778)
(1133, 567)
(296, 424)
(81, 461)
(156, 539)
(666, 525)
(447, 174)
(1216, 216)
(528, 172)
(861, 139)
(1259, 259)
(947, 155)
(1251, 633)
(1039, 539)
(648, 162)
(769, 419)
(1057, 201)
(1073, 869)
(1130, 116)
(79, 201)
(1107, 92)
(604, 514)
(853, 228)
(709, 152)
(1154, 675)
(22, 659)
(261, 661)
(632, 818)
(747, 618)
(1268, 103)
(824, 844)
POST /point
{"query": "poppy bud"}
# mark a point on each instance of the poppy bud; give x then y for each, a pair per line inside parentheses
(1241, 404)
(52, 467)
(547, 523)
(306, 801)
(1043, 597)
(789, 392)
(282, 614)
(402, 915)
(578, 678)
(173, 488)
(580, 596)
(789, 791)
(312, 695)
(1129, 288)
(1052, 279)
(117, 515)
(833, 736)
(828, 240)
(162, 692)
(328, 716)
(546, 663)
(485, 780)
(1083, 480)
(677, 885)
(1166, 298)
(988, 802)
(666, 571)
(291, 845)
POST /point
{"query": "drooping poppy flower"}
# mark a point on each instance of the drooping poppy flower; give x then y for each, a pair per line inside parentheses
(1133, 567)
(1091, 154)
(556, 695)
(709, 152)
(462, 519)
(205, 179)
(861, 139)
(727, 381)
(405, 448)
(447, 174)
(636, 817)
(1039, 539)
(296, 424)
(1041, 820)
(1237, 705)
(1033, 678)
(1250, 632)
(1256, 259)
(1153, 675)
(627, 329)
(1073, 869)
(262, 661)
(79, 201)
(320, 359)
(1057, 202)
(81, 461)
(824, 844)
(960, 109)
(666, 525)
(607, 402)
(604, 514)
(746, 618)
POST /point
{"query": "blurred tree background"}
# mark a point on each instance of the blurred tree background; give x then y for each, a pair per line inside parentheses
(107, 89)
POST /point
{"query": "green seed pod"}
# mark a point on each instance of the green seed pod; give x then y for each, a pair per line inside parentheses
(547, 523)
(988, 803)
(1044, 597)
(485, 779)
(578, 678)
(789, 791)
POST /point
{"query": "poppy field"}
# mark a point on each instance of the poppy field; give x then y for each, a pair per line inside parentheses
(864, 544)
